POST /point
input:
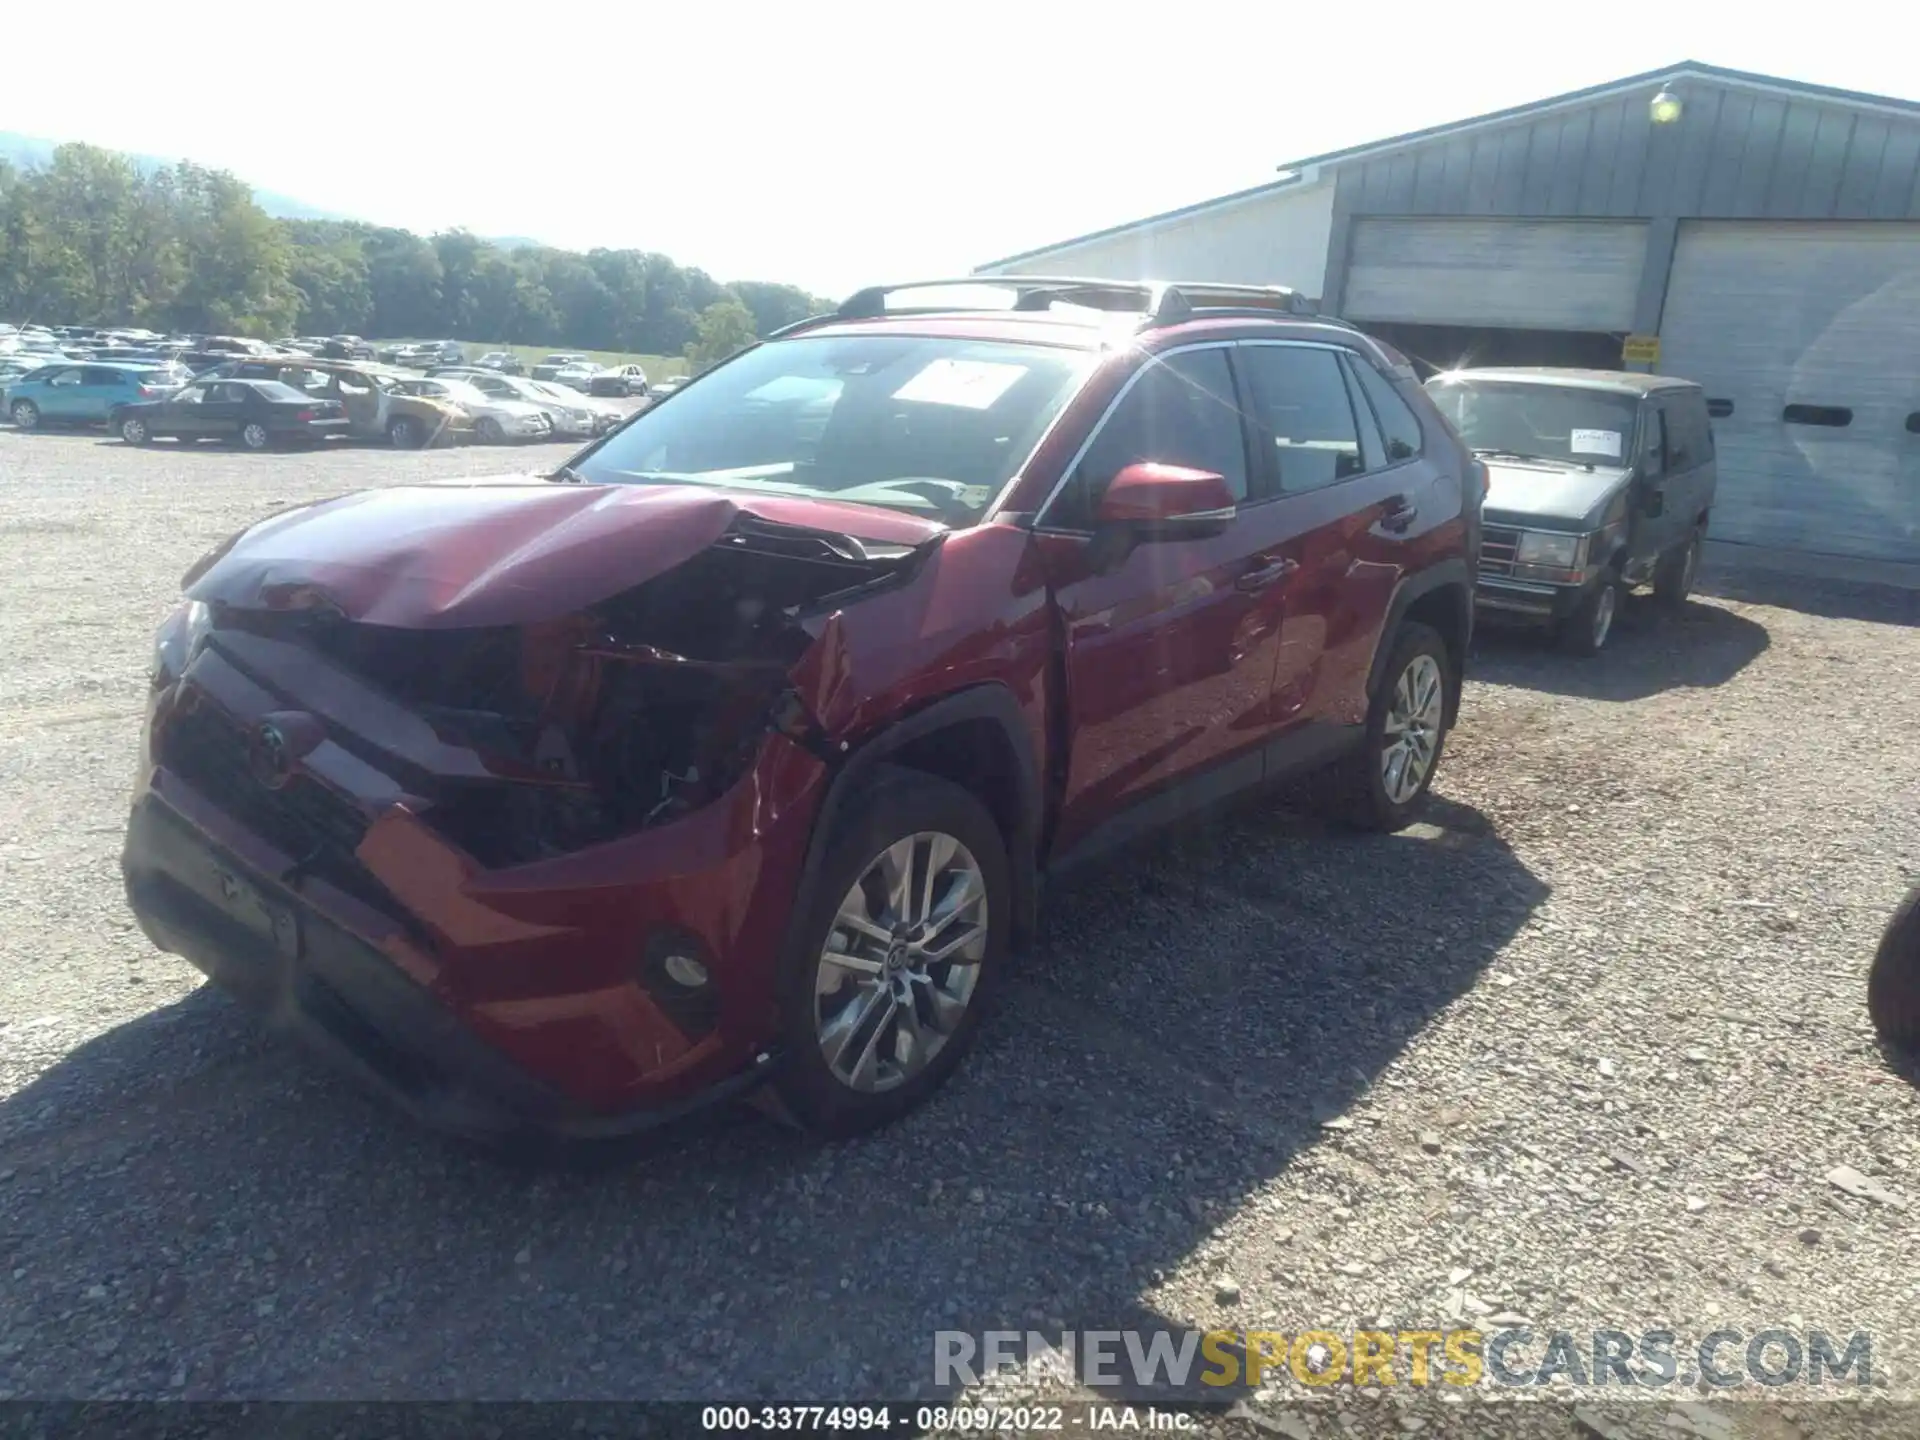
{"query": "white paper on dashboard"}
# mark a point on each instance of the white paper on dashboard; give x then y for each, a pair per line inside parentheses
(970, 384)
(1596, 442)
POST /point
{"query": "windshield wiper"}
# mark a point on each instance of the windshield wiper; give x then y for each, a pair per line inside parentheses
(568, 475)
(1515, 455)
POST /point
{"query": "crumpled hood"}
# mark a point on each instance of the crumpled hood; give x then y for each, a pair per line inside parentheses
(504, 550)
(1550, 492)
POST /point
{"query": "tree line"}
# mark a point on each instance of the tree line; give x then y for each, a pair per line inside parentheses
(91, 238)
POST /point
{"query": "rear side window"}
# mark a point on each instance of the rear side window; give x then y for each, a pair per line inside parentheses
(1303, 411)
(1399, 426)
(1181, 411)
(98, 375)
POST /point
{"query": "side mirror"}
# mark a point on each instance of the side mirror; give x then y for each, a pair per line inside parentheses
(1151, 501)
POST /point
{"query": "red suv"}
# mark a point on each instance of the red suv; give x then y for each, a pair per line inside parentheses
(738, 748)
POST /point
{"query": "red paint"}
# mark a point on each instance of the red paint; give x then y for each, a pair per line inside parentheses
(1130, 667)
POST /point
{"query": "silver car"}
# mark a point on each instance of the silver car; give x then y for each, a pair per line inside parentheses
(571, 414)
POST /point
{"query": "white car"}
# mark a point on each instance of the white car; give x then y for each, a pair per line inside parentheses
(605, 413)
(570, 414)
(495, 419)
(577, 376)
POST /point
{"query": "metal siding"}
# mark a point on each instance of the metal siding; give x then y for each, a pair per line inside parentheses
(1575, 132)
(1508, 186)
(1787, 189)
(1543, 158)
(1832, 139)
(1862, 171)
(1756, 161)
(1401, 171)
(1527, 274)
(1483, 176)
(1700, 142)
(1603, 153)
(1768, 314)
(1732, 131)
(1631, 161)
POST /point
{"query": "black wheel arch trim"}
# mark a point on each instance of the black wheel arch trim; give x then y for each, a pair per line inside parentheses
(991, 702)
(1452, 572)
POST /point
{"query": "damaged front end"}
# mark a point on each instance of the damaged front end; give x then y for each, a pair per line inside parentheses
(576, 836)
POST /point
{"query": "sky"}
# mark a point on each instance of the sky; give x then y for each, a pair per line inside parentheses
(838, 143)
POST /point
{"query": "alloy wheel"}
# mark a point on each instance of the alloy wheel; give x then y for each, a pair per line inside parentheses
(1604, 605)
(901, 961)
(1412, 731)
(134, 432)
(254, 436)
(25, 416)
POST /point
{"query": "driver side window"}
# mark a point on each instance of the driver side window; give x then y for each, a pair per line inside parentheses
(192, 395)
(1653, 448)
(1181, 410)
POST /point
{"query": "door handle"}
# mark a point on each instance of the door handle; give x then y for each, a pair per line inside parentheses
(1397, 514)
(1268, 571)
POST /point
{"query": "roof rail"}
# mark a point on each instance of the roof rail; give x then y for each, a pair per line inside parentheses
(1158, 303)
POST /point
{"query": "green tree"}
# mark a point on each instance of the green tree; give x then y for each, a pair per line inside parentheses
(723, 327)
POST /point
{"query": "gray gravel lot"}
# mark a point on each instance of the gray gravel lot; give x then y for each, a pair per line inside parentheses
(1582, 1050)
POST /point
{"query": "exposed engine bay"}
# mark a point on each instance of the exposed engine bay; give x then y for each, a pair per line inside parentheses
(629, 713)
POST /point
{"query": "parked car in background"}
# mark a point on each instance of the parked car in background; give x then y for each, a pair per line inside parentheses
(572, 415)
(16, 367)
(345, 347)
(619, 380)
(1599, 481)
(374, 403)
(739, 750)
(660, 389)
(505, 362)
(605, 413)
(253, 414)
(557, 362)
(82, 394)
(495, 418)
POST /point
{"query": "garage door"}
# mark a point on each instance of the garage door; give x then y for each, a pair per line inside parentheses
(1810, 332)
(1512, 274)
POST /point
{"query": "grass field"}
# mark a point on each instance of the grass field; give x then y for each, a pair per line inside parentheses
(658, 367)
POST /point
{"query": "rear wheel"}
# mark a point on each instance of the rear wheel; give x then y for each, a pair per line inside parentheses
(254, 435)
(1585, 631)
(904, 935)
(134, 430)
(404, 433)
(1673, 577)
(26, 414)
(1382, 785)
(1893, 984)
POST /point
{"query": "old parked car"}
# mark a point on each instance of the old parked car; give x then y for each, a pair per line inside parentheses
(603, 414)
(503, 362)
(1893, 983)
(253, 414)
(626, 380)
(496, 419)
(1600, 481)
(577, 376)
(83, 394)
(568, 413)
(737, 749)
(376, 405)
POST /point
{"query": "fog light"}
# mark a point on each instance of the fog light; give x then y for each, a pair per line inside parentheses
(685, 970)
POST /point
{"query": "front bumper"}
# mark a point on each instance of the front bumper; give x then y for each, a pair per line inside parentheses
(511, 1004)
(1527, 599)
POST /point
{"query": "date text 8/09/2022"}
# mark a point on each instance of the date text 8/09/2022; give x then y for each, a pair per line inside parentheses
(938, 1419)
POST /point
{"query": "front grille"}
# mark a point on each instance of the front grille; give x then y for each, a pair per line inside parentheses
(303, 819)
(1497, 549)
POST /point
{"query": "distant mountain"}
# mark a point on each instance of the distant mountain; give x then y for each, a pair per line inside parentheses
(27, 151)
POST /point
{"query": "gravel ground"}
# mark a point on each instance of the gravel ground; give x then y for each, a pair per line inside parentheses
(1582, 1050)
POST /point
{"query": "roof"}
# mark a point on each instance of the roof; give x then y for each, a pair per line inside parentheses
(1630, 382)
(1647, 80)
(1219, 202)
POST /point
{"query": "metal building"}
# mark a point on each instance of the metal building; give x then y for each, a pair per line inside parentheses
(1758, 235)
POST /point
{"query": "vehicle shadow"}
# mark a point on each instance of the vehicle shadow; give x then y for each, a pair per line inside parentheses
(1650, 651)
(1833, 598)
(191, 1209)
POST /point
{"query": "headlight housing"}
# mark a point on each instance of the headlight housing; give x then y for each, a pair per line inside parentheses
(1552, 556)
(180, 637)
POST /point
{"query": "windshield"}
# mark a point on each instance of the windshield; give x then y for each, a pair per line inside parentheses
(931, 425)
(1539, 422)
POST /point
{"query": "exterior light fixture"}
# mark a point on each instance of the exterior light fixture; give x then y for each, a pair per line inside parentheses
(1665, 107)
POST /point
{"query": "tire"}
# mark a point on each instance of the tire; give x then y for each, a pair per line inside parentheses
(1585, 632)
(134, 431)
(866, 1091)
(26, 415)
(1893, 984)
(404, 433)
(487, 431)
(1673, 576)
(1367, 790)
(255, 436)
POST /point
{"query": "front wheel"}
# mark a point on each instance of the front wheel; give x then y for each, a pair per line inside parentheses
(1893, 984)
(26, 414)
(905, 931)
(1585, 631)
(134, 430)
(254, 436)
(1382, 785)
